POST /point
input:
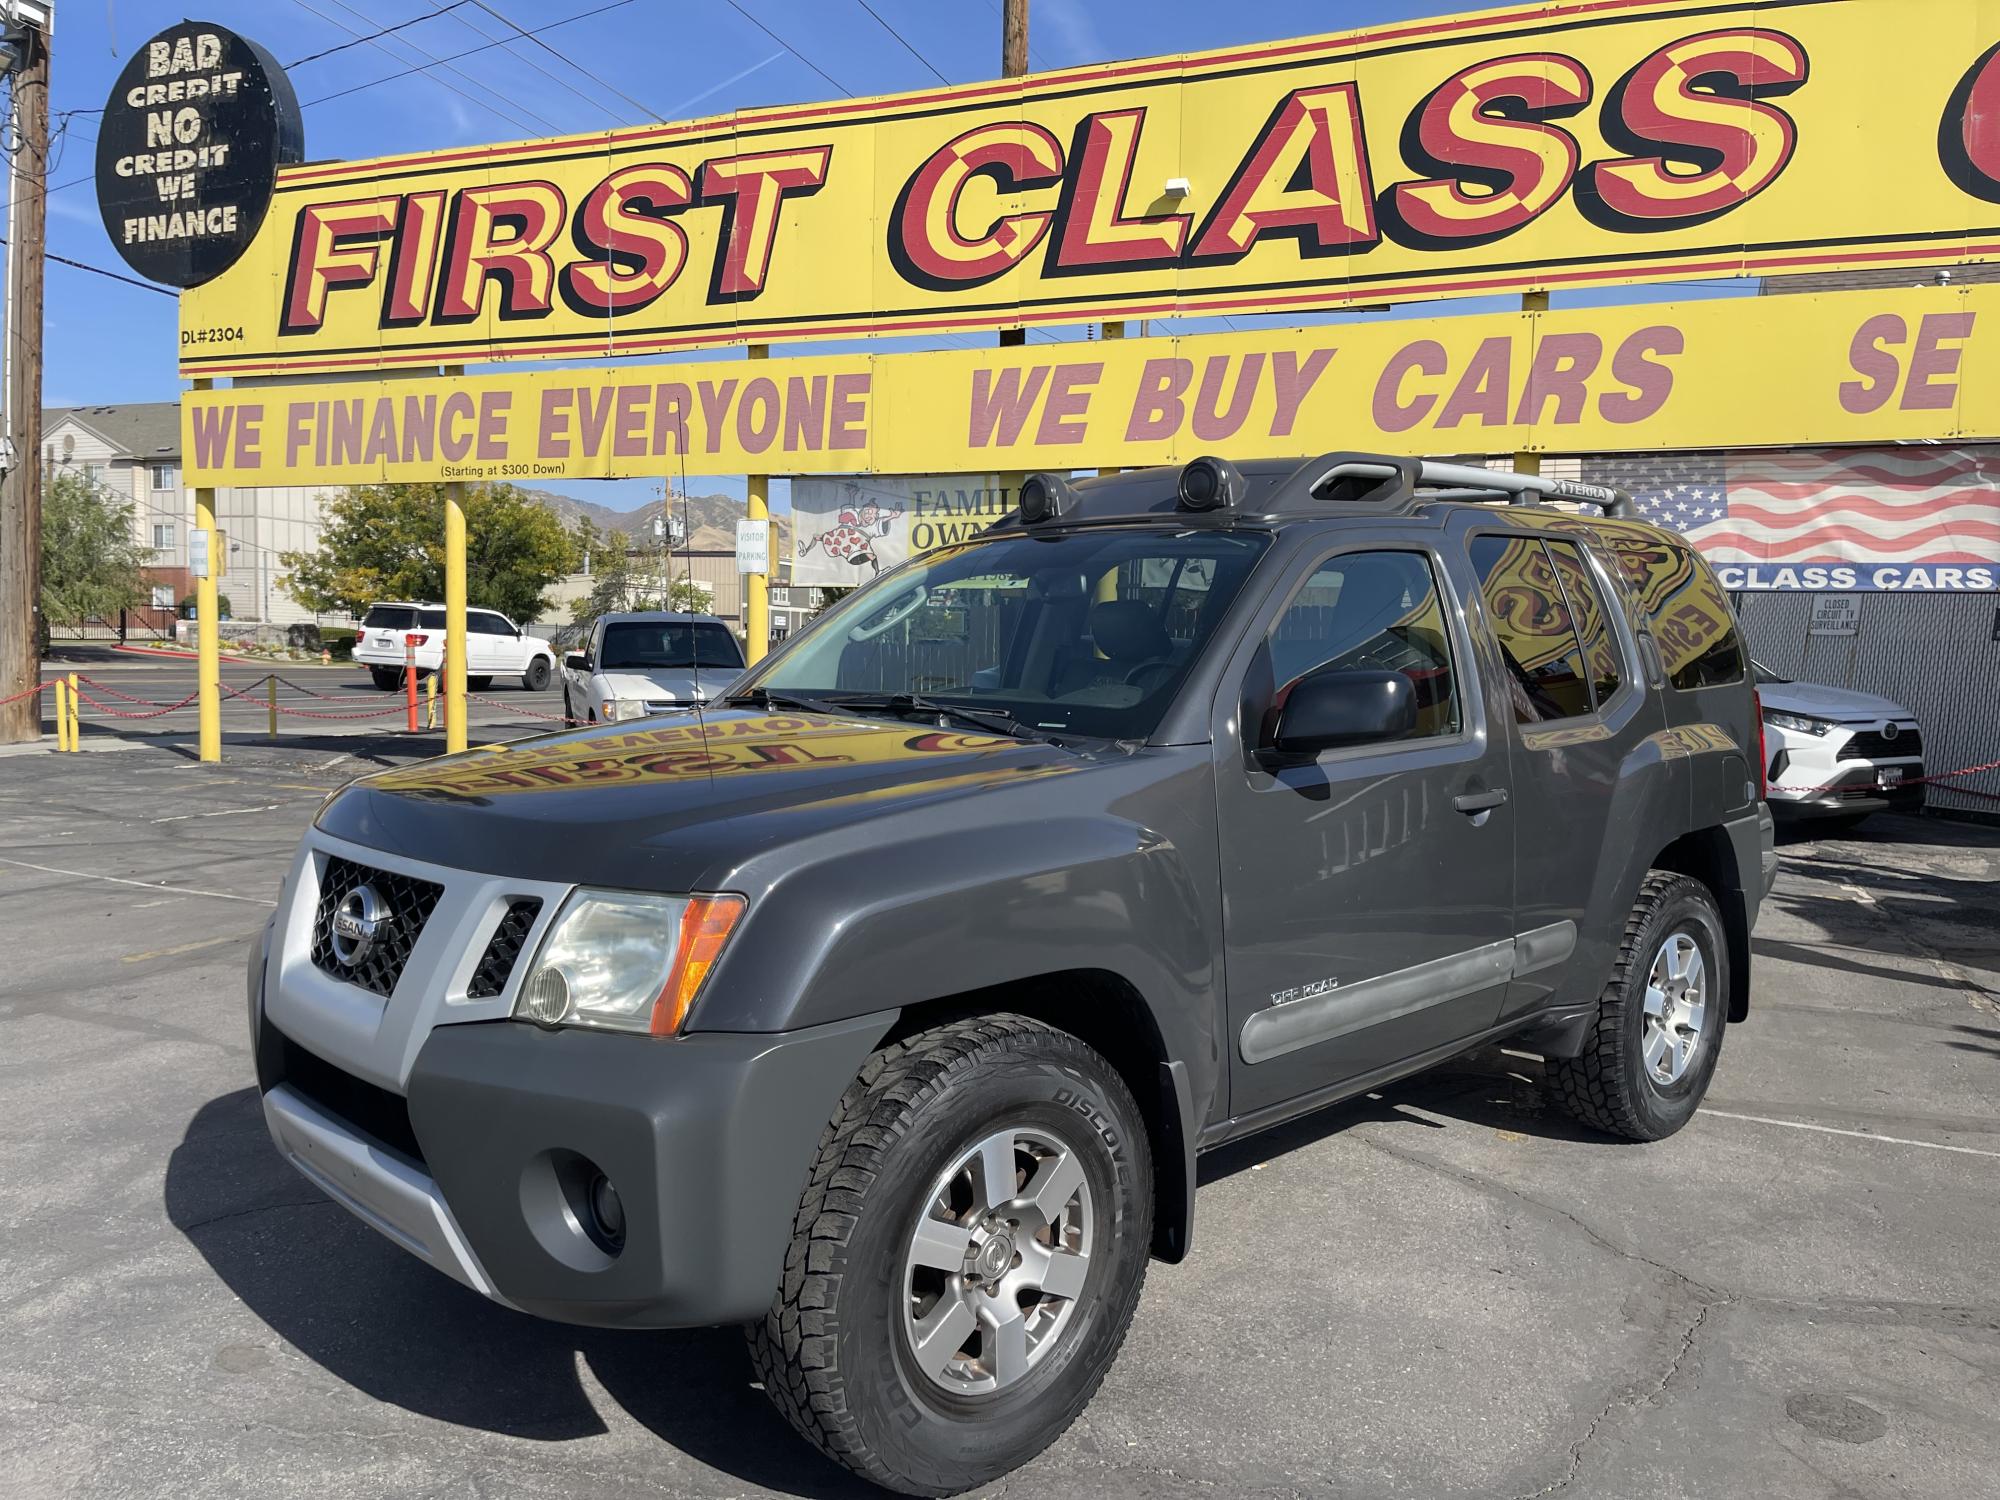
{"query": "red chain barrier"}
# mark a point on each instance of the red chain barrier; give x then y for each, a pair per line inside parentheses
(40, 687)
(1863, 786)
(119, 713)
(105, 687)
(303, 713)
(526, 713)
(298, 688)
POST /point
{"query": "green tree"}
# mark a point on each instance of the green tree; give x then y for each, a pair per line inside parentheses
(617, 586)
(386, 541)
(90, 560)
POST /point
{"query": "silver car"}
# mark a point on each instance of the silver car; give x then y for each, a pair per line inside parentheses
(652, 662)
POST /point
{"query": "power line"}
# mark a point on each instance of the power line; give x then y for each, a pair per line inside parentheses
(455, 56)
(385, 31)
(645, 111)
(480, 83)
(512, 119)
(907, 47)
(791, 49)
(64, 260)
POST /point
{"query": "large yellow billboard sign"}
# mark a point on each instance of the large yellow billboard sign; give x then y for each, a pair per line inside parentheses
(1554, 144)
(1850, 367)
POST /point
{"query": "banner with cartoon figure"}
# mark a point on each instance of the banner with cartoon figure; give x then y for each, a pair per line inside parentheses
(848, 528)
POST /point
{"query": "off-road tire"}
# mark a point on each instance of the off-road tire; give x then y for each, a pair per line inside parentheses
(537, 676)
(1607, 1085)
(388, 679)
(831, 1351)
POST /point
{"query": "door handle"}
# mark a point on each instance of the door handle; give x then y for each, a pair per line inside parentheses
(1479, 802)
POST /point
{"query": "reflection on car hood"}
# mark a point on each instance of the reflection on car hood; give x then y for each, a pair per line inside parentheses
(1822, 702)
(666, 682)
(657, 805)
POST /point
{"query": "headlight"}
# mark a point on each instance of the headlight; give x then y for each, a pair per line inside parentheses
(1797, 723)
(623, 708)
(623, 961)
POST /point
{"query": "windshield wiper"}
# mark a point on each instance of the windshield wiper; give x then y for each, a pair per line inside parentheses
(993, 720)
(763, 697)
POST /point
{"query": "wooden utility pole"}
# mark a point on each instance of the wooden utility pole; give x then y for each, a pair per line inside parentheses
(21, 490)
(1014, 63)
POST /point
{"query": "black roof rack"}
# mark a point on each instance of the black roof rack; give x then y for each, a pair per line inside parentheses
(1385, 478)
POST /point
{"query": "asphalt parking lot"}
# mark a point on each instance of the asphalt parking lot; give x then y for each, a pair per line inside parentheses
(1444, 1290)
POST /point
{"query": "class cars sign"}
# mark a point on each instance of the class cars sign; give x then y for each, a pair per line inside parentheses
(1536, 146)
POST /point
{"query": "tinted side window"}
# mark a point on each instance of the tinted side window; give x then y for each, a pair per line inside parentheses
(1587, 614)
(1531, 619)
(1686, 610)
(389, 617)
(1372, 611)
(486, 623)
(1697, 633)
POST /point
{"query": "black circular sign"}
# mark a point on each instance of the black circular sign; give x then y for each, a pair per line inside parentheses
(192, 139)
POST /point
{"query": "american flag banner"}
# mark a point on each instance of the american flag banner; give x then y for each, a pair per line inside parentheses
(1838, 519)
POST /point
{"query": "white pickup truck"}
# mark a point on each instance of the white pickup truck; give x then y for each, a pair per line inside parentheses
(634, 665)
(391, 634)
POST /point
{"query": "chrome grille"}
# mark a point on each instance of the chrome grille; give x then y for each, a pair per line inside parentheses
(410, 902)
(503, 951)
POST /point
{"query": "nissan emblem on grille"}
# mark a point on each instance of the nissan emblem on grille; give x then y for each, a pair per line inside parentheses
(356, 923)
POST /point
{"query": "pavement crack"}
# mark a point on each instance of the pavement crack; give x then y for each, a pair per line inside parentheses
(1628, 1400)
(1551, 1210)
(261, 1208)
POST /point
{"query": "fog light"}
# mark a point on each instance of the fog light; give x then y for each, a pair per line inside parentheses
(607, 1215)
(545, 997)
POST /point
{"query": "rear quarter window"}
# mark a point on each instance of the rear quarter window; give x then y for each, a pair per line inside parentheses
(1684, 607)
(389, 617)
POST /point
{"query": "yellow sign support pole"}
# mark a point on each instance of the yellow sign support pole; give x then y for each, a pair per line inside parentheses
(1524, 462)
(62, 714)
(1112, 331)
(208, 644)
(454, 617)
(757, 586)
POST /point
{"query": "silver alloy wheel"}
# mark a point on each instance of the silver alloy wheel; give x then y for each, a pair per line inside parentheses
(997, 1260)
(1676, 1008)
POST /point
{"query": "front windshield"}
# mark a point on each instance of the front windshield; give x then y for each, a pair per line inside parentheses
(643, 645)
(1084, 632)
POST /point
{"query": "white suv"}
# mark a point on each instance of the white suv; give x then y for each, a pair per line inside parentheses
(494, 646)
(1838, 755)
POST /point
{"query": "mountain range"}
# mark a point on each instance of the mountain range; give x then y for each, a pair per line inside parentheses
(710, 519)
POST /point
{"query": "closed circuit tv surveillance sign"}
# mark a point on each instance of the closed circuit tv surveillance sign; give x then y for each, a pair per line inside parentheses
(192, 139)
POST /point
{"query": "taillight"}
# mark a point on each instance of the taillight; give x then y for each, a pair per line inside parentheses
(415, 640)
(1763, 755)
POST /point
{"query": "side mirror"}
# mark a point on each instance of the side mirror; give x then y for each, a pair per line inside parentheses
(1331, 709)
(577, 661)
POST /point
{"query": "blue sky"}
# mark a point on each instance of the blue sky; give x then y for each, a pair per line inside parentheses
(621, 62)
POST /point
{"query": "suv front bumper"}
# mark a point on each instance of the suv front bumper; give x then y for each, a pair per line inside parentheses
(706, 1138)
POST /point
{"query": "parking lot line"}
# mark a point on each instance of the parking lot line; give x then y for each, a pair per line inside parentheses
(1859, 1135)
(144, 885)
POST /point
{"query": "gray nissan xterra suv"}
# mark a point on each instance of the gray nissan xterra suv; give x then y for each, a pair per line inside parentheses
(886, 1008)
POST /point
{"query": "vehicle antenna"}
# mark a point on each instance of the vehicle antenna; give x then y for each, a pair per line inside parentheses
(687, 531)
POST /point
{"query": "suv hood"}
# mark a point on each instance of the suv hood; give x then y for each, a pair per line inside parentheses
(1822, 702)
(674, 805)
(668, 682)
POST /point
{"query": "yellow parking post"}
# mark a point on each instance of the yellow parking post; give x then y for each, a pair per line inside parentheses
(757, 586)
(454, 617)
(431, 701)
(208, 645)
(271, 688)
(75, 718)
(62, 714)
